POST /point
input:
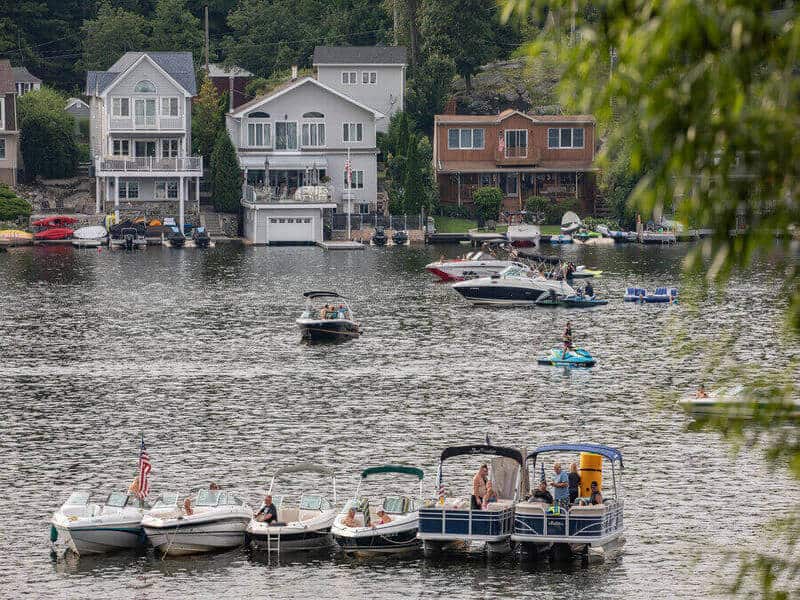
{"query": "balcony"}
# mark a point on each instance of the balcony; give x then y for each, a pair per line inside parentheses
(525, 155)
(320, 194)
(151, 166)
(147, 123)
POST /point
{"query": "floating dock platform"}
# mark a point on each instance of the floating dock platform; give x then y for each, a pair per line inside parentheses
(341, 245)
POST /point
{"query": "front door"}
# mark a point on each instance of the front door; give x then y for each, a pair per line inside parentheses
(145, 148)
(144, 110)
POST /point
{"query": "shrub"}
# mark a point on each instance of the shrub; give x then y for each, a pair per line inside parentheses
(487, 202)
(84, 153)
(593, 222)
(12, 207)
(538, 209)
(226, 178)
(47, 139)
(546, 211)
(455, 211)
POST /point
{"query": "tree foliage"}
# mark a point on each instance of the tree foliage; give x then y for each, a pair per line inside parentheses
(411, 181)
(176, 29)
(226, 178)
(488, 201)
(47, 135)
(208, 119)
(110, 34)
(12, 207)
(429, 89)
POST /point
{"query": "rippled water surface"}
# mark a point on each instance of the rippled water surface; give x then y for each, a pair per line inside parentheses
(198, 350)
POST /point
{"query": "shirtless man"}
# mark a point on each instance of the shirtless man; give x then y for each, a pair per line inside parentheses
(383, 518)
(479, 486)
(350, 519)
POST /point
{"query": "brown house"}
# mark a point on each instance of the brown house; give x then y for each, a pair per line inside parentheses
(9, 135)
(232, 81)
(524, 155)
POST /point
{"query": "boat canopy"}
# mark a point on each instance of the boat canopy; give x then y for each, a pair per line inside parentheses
(608, 452)
(321, 294)
(482, 449)
(305, 467)
(402, 469)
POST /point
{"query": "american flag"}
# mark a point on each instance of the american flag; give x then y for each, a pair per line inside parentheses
(348, 169)
(543, 478)
(440, 482)
(144, 471)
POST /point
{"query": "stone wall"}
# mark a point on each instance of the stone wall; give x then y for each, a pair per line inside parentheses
(153, 209)
(74, 195)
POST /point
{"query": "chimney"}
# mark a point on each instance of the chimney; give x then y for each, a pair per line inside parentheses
(294, 72)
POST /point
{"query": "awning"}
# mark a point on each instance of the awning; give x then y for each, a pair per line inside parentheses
(608, 452)
(300, 162)
(400, 469)
(481, 449)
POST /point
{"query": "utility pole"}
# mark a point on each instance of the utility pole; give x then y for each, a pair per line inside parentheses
(572, 25)
(206, 14)
(394, 20)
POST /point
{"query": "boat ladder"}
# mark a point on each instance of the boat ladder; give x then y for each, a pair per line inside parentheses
(273, 543)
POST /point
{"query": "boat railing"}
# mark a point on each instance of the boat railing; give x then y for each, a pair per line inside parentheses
(571, 524)
(466, 522)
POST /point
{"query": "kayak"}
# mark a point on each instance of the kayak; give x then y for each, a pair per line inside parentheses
(15, 237)
(577, 357)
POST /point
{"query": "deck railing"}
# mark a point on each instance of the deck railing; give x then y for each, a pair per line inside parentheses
(611, 521)
(146, 164)
(146, 123)
(466, 522)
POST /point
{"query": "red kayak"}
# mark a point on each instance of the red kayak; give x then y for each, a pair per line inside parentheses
(55, 233)
(59, 221)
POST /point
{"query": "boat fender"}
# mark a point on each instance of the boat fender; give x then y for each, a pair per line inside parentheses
(53, 533)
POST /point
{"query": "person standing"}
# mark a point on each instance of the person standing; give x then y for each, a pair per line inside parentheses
(560, 487)
(574, 482)
(479, 487)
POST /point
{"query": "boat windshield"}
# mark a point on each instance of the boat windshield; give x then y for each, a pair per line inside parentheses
(167, 500)
(397, 505)
(78, 499)
(513, 271)
(311, 502)
(208, 498)
(117, 499)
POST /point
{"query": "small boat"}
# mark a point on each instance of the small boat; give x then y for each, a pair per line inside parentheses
(523, 235)
(558, 357)
(453, 518)
(470, 266)
(400, 238)
(379, 238)
(176, 239)
(15, 237)
(89, 237)
(561, 239)
(211, 520)
(570, 222)
(87, 527)
(55, 222)
(54, 233)
(576, 301)
(659, 236)
(304, 525)
(733, 403)
(321, 322)
(516, 285)
(368, 537)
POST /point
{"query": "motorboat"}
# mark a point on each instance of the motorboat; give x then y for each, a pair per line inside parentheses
(577, 301)
(581, 529)
(53, 234)
(322, 322)
(523, 235)
(379, 238)
(87, 527)
(209, 520)
(369, 536)
(15, 237)
(570, 223)
(516, 285)
(201, 238)
(128, 235)
(570, 271)
(561, 239)
(89, 237)
(470, 266)
(400, 237)
(176, 238)
(304, 524)
(560, 357)
(734, 403)
(659, 236)
(452, 519)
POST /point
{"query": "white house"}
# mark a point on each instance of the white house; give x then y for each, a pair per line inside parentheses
(372, 75)
(140, 134)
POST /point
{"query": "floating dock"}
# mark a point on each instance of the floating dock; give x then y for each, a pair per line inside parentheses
(341, 245)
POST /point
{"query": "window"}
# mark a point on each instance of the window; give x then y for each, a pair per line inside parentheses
(369, 77)
(121, 148)
(286, 135)
(516, 143)
(357, 181)
(169, 107)
(465, 139)
(169, 148)
(565, 137)
(2, 114)
(313, 134)
(120, 107)
(144, 110)
(166, 190)
(363, 208)
(2, 149)
(508, 183)
(145, 147)
(258, 115)
(145, 87)
(129, 189)
(349, 77)
(352, 132)
(259, 135)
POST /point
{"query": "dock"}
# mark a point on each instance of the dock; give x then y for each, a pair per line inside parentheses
(446, 238)
(341, 245)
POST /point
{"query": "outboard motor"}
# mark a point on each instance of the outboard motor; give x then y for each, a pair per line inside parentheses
(129, 235)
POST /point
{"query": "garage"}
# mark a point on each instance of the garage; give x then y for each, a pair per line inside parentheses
(283, 229)
(278, 223)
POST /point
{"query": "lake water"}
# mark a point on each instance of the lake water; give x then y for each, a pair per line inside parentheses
(198, 350)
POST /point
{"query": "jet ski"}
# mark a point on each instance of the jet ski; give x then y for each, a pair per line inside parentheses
(577, 357)
(176, 238)
(201, 237)
(379, 238)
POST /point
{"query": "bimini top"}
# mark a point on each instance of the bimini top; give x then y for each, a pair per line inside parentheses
(481, 449)
(402, 469)
(321, 295)
(304, 467)
(608, 452)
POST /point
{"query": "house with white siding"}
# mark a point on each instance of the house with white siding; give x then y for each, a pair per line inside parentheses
(140, 134)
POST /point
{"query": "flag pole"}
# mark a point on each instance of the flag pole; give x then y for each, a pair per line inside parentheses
(349, 192)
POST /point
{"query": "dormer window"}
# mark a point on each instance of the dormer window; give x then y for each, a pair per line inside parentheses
(145, 87)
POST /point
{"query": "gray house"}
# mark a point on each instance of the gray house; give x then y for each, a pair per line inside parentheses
(372, 75)
(24, 81)
(140, 134)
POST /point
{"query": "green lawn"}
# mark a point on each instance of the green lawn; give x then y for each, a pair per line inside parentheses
(456, 225)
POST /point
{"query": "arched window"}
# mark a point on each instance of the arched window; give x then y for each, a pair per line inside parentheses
(145, 87)
(258, 115)
(313, 115)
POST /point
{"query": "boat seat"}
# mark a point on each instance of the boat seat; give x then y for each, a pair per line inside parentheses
(534, 508)
(287, 515)
(588, 511)
(307, 515)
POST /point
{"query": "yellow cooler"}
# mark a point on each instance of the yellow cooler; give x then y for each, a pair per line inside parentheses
(591, 469)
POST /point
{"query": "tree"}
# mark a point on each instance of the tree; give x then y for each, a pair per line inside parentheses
(488, 201)
(47, 138)
(208, 120)
(429, 89)
(12, 207)
(176, 28)
(409, 161)
(226, 178)
(112, 33)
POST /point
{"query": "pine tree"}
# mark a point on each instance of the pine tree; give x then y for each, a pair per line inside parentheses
(226, 178)
(207, 120)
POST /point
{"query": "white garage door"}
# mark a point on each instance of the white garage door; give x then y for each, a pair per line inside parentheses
(291, 229)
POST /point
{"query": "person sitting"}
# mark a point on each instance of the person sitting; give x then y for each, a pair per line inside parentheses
(342, 314)
(323, 312)
(213, 487)
(383, 518)
(589, 290)
(541, 494)
(701, 392)
(187, 507)
(267, 513)
(350, 519)
(595, 497)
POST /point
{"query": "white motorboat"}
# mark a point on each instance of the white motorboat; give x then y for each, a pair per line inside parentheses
(570, 223)
(472, 265)
(87, 527)
(371, 535)
(304, 525)
(328, 322)
(516, 285)
(89, 237)
(523, 235)
(212, 520)
(734, 403)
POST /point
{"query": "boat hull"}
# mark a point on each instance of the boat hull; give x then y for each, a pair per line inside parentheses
(100, 538)
(327, 330)
(375, 541)
(178, 537)
(461, 270)
(291, 539)
(501, 295)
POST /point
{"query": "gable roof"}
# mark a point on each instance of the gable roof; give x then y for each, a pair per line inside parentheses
(178, 65)
(359, 55)
(292, 85)
(6, 78)
(21, 74)
(215, 70)
(490, 119)
(75, 102)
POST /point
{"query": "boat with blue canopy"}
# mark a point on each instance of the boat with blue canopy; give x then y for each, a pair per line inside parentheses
(591, 523)
(455, 518)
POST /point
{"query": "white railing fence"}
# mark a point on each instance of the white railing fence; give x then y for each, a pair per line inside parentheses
(139, 164)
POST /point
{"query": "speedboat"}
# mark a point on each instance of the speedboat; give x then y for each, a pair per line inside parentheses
(453, 519)
(558, 357)
(523, 235)
(128, 236)
(370, 537)
(201, 238)
(515, 285)
(87, 527)
(734, 403)
(176, 238)
(570, 222)
(89, 237)
(470, 266)
(327, 322)
(659, 236)
(379, 238)
(582, 529)
(302, 525)
(15, 237)
(400, 237)
(211, 520)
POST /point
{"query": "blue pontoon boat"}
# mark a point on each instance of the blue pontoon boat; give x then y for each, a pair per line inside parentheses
(583, 528)
(453, 519)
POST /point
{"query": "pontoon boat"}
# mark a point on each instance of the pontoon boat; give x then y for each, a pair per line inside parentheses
(513, 286)
(332, 320)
